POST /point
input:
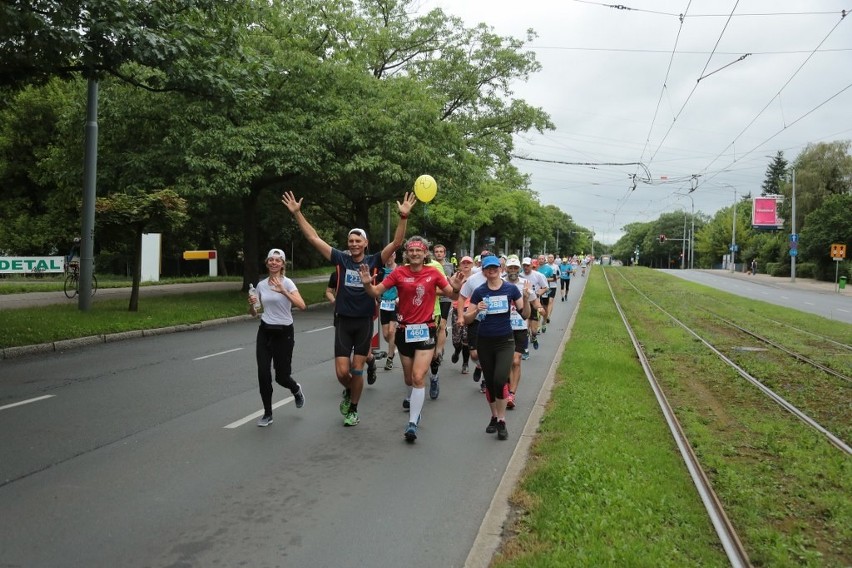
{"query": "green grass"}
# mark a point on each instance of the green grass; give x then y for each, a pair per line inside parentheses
(30, 326)
(605, 485)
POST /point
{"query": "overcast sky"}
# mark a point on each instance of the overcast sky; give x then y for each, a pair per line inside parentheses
(621, 85)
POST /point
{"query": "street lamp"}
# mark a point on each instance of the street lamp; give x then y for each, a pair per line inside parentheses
(691, 252)
(734, 236)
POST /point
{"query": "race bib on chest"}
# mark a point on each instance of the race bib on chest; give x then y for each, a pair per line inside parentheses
(416, 333)
(352, 278)
(387, 305)
(498, 304)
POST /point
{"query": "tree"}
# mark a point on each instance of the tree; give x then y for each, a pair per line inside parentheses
(124, 218)
(822, 170)
(829, 224)
(776, 172)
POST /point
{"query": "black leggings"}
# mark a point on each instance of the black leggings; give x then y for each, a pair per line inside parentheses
(274, 348)
(495, 358)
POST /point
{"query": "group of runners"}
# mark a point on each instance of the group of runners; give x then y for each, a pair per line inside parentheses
(490, 308)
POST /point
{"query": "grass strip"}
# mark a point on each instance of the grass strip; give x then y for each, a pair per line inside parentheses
(605, 485)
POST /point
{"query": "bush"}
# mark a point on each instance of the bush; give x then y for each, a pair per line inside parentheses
(806, 269)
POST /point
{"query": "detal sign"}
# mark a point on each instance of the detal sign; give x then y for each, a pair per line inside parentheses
(31, 264)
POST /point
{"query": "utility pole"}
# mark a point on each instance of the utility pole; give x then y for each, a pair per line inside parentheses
(794, 244)
(734, 236)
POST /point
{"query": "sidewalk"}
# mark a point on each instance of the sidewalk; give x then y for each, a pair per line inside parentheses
(808, 284)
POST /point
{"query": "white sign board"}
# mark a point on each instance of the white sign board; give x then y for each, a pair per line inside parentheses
(31, 264)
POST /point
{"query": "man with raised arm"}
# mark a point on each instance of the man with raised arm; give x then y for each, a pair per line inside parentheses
(355, 308)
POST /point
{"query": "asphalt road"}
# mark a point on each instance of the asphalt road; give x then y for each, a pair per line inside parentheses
(806, 295)
(145, 453)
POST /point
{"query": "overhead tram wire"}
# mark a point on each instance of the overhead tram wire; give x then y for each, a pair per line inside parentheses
(786, 126)
(671, 14)
(665, 86)
(588, 164)
(695, 87)
(843, 15)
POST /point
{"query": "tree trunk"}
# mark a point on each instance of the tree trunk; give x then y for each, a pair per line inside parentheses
(137, 272)
(250, 251)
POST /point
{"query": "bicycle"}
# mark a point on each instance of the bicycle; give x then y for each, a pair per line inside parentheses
(72, 281)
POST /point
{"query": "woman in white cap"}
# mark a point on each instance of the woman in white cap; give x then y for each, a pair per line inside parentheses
(277, 295)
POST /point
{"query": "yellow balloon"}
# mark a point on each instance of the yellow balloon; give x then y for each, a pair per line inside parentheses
(425, 188)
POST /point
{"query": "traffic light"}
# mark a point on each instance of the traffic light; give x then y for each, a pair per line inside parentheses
(662, 238)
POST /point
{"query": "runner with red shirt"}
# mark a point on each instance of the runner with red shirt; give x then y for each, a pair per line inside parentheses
(417, 286)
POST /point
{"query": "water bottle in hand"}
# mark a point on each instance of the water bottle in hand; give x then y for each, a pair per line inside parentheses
(480, 315)
(253, 293)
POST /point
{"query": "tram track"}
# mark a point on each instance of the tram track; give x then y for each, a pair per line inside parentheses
(780, 400)
(776, 345)
(730, 541)
(745, 429)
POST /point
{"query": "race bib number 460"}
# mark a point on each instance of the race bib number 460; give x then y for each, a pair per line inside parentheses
(416, 333)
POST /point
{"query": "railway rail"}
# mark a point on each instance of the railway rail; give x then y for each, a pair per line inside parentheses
(730, 541)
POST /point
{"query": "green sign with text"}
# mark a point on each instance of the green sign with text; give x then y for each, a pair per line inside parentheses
(31, 264)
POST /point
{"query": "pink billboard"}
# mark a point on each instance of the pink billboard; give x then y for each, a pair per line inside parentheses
(765, 212)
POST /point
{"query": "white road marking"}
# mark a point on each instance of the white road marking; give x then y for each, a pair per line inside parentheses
(842, 310)
(217, 354)
(810, 303)
(27, 401)
(320, 329)
(258, 414)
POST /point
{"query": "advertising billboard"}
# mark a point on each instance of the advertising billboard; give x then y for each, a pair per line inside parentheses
(765, 212)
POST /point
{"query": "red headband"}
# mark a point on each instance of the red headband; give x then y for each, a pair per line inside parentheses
(416, 244)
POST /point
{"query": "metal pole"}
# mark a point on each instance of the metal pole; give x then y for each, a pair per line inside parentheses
(90, 172)
(734, 235)
(683, 245)
(793, 258)
(472, 237)
(692, 237)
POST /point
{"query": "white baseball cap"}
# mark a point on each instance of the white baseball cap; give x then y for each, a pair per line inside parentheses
(526, 260)
(513, 262)
(276, 252)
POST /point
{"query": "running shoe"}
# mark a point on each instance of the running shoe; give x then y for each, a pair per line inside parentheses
(406, 404)
(502, 433)
(510, 401)
(265, 420)
(411, 432)
(300, 397)
(389, 364)
(482, 387)
(351, 419)
(434, 387)
(525, 355)
(455, 357)
(544, 328)
(344, 404)
(477, 374)
(464, 369)
(492, 426)
(535, 342)
(371, 372)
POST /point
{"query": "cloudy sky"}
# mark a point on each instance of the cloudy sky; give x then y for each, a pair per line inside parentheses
(622, 86)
